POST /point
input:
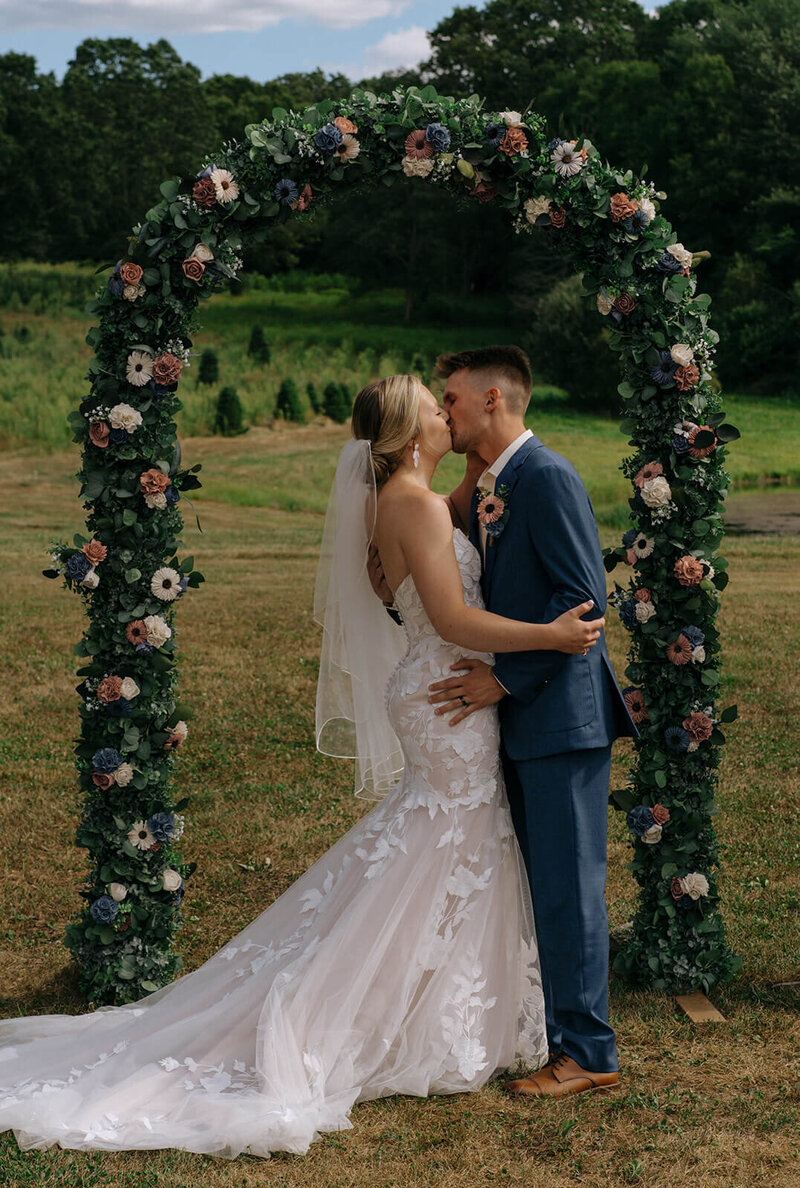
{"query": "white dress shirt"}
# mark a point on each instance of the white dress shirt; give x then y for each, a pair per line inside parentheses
(493, 472)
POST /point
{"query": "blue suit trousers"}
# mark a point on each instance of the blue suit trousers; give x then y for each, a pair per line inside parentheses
(559, 804)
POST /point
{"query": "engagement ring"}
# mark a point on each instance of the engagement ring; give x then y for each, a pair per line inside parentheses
(463, 701)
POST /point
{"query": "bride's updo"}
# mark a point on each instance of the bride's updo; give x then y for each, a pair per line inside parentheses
(386, 414)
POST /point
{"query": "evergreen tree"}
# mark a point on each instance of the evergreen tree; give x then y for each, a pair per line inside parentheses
(258, 347)
(229, 414)
(208, 371)
(336, 404)
(288, 403)
(313, 397)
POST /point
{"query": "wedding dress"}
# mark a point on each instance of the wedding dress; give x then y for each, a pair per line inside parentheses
(403, 961)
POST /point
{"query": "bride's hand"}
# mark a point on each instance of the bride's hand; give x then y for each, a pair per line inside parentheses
(572, 634)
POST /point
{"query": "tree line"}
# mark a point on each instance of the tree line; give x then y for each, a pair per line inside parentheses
(706, 93)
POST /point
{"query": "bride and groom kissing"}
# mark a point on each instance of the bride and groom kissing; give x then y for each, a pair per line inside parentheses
(459, 928)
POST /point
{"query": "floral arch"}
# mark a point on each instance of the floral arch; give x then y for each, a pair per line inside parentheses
(128, 570)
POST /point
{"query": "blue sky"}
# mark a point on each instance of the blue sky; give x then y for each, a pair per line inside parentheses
(259, 38)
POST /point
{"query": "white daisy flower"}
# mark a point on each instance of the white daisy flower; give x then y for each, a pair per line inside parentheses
(140, 368)
(166, 584)
(140, 836)
(567, 159)
(226, 188)
(642, 546)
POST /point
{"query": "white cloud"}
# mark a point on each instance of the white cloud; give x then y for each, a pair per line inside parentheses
(394, 51)
(191, 16)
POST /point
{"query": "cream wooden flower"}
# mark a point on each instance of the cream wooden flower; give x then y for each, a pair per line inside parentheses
(129, 689)
(158, 631)
(124, 773)
(226, 188)
(117, 891)
(171, 880)
(535, 207)
(417, 167)
(124, 416)
(166, 583)
(140, 836)
(140, 368)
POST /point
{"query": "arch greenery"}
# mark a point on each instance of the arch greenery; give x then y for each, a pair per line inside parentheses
(130, 571)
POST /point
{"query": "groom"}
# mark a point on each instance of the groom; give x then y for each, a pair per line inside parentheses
(559, 713)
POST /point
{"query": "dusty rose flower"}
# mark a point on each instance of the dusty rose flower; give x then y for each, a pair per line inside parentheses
(153, 480)
(680, 650)
(204, 192)
(110, 689)
(643, 595)
(94, 551)
(515, 141)
(701, 451)
(490, 509)
(682, 354)
(99, 433)
(136, 631)
(698, 726)
(631, 557)
(558, 216)
(349, 149)
(660, 814)
(650, 470)
(689, 571)
(416, 166)
(103, 779)
(167, 369)
(344, 125)
(483, 191)
(225, 187)
(193, 268)
(687, 377)
(624, 304)
(676, 888)
(634, 699)
(130, 273)
(622, 207)
(417, 145)
(303, 200)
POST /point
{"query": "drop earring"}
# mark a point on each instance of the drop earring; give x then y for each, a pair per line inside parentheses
(415, 454)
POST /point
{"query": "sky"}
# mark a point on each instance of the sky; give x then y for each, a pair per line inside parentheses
(258, 38)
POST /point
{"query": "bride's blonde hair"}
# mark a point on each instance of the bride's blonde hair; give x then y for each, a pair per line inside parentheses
(386, 414)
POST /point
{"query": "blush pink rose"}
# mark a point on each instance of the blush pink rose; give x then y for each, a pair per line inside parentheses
(643, 595)
(689, 571)
(131, 273)
(103, 779)
(680, 650)
(698, 726)
(167, 369)
(99, 433)
(110, 689)
(94, 551)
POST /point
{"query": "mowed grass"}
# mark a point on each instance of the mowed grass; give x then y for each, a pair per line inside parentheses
(707, 1105)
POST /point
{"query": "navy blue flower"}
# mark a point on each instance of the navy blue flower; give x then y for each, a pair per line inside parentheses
(144, 648)
(115, 282)
(553, 144)
(77, 567)
(285, 192)
(172, 494)
(680, 443)
(677, 739)
(694, 635)
(159, 389)
(119, 436)
(627, 612)
(121, 708)
(616, 318)
(494, 132)
(161, 825)
(328, 139)
(209, 169)
(637, 221)
(107, 759)
(629, 537)
(668, 263)
(104, 910)
(438, 136)
(663, 373)
(184, 585)
(684, 902)
(640, 819)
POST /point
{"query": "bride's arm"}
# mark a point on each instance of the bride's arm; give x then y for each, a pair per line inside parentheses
(425, 535)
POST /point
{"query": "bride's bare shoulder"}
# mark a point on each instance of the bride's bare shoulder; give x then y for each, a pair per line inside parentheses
(400, 500)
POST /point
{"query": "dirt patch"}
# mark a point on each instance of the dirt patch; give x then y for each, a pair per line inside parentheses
(774, 514)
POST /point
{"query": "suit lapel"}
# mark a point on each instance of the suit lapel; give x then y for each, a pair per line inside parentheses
(507, 479)
(473, 520)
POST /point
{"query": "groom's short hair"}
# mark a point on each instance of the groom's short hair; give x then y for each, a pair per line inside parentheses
(510, 362)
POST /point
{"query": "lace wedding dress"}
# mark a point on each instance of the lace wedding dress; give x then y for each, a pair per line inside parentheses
(403, 961)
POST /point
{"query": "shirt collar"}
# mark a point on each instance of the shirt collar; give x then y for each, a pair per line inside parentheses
(508, 453)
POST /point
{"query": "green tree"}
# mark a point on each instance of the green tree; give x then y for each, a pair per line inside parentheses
(229, 416)
(208, 371)
(258, 347)
(288, 403)
(313, 397)
(336, 404)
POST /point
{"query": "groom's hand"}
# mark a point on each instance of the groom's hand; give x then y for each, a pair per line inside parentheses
(478, 687)
(377, 577)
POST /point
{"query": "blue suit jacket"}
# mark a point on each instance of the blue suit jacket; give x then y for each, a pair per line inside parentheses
(547, 560)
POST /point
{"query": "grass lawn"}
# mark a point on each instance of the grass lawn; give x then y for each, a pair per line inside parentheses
(708, 1105)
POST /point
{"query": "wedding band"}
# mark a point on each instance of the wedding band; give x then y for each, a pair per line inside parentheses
(463, 701)
(586, 651)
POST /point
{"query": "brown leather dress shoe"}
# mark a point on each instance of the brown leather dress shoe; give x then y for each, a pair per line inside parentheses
(562, 1076)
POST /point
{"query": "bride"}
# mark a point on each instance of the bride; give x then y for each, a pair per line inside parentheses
(404, 960)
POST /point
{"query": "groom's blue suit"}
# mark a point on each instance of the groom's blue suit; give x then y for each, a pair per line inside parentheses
(558, 722)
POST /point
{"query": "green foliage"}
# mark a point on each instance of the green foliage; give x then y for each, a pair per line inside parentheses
(335, 402)
(229, 415)
(258, 347)
(208, 371)
(313, 397)
(288, 403)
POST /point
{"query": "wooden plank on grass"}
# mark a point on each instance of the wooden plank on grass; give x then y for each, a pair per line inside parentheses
(699, 1009)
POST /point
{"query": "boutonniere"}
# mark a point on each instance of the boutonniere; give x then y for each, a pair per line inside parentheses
(493, 511)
